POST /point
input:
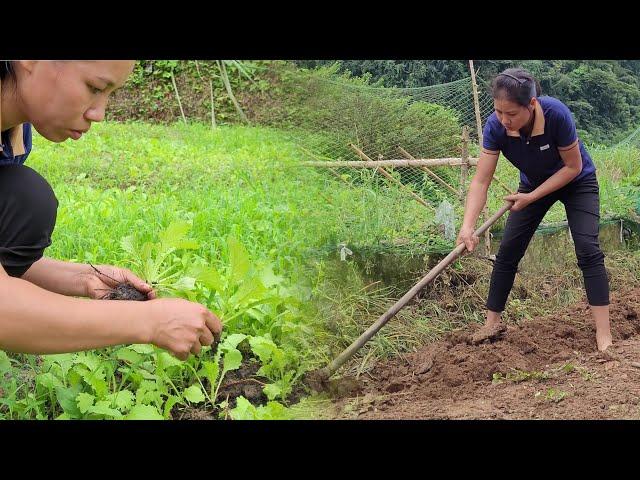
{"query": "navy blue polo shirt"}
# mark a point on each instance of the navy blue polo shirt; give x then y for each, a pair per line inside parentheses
(538, 156)
(16, 140)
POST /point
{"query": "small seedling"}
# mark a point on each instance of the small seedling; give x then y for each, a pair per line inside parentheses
(568, 367)
(554, 395)
(519, 376)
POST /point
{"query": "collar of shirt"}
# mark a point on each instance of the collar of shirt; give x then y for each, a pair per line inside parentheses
(538, 124)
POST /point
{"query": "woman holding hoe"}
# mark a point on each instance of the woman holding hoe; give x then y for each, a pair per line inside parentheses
(537, 134)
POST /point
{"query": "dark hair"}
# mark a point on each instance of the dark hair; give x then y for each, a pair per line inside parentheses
(7, 70)
(516, 85)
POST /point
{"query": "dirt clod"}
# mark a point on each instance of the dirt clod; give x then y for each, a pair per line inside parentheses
(489, 333)
(126, 291)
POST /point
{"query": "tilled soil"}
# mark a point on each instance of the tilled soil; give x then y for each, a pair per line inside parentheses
(545, 368)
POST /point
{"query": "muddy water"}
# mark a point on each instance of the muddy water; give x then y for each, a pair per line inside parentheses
(551, 247)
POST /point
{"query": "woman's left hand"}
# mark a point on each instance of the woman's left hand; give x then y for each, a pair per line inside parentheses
(97, 285)
(521, 200)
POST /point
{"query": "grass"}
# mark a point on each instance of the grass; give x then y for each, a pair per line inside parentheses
(137, 180)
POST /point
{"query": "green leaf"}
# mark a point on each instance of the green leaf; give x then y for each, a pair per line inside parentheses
(103, 408)
(244, 410)
(84, 401)
(211, 279)
(273, 411)
(90, 360)
(122, 399)
(250, 289)
(128, 245)
(64, 360)
(187, 244)
(185, 283)
(263, 348)
(238, 259)
(142, 348)
(210, 370)
(96, 380)
(147, 392)
(49, 381)
(166, 360)
(171, 401)
(194, 394)
(129, 355)
(272, 391)
(174, 237)
(232, 341)
(5, 363)
(144, 412)
(268, 278)
(232, 360)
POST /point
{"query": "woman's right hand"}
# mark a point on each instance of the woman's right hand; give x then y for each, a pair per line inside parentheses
(467, 237)
(182, 327)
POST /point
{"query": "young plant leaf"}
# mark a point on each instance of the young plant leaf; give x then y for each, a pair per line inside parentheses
(238, 259)
(194, 394)
(144, 412)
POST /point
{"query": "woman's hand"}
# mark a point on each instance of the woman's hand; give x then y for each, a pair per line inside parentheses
(97, 285)
(181, 327)
(521, 200)
(467, 237)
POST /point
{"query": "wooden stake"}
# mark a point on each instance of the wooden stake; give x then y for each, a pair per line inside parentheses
(464, 168)
(175, 88)
(430, 172)
(227, 86)
(417, 198)
(476, 107)
(476, 103)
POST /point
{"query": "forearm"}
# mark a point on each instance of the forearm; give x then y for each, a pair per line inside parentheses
(65, 278)
(556, 181)
(476, 199)
(33, 320)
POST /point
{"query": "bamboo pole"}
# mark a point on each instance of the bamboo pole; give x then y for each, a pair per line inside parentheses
(227, 85)
(476, 103)
(364, 156)
(464, 168)
(419, 162)
(476, 107)
(175, 88)
(430, 172)
(330, 369)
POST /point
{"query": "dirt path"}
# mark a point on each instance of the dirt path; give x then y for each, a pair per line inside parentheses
(545, 368)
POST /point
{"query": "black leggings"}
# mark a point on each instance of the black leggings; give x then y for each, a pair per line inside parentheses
(582, 204)
(28, 209)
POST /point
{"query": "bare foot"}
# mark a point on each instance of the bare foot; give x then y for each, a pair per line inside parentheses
(603, 340)
(489, 333)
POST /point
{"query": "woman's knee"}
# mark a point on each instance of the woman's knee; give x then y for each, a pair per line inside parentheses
(588, 252)
(28, 212)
